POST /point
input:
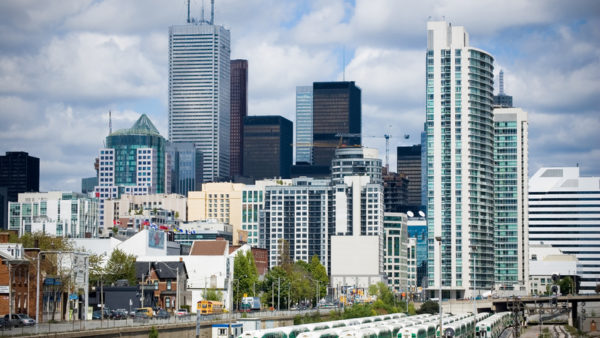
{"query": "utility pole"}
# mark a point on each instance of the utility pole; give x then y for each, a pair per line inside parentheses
(273, 294)
(278, 294)
(177, 291)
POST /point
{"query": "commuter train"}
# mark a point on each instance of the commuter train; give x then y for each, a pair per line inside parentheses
(396, 325)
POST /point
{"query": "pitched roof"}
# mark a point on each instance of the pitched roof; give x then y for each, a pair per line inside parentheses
(143, 126)
(209, 248)
(164, 270)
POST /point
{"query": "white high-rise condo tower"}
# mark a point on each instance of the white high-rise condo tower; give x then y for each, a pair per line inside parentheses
(460, 163)
(510, 202)
(199, 83)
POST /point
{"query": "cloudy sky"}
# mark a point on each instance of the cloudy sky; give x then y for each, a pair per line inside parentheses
(64, 64)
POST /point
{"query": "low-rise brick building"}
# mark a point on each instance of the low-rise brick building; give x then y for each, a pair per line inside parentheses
(162, 278)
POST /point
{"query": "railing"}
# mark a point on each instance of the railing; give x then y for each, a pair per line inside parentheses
(82, 325)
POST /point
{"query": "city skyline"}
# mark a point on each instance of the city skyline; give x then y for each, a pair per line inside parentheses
(64, 65)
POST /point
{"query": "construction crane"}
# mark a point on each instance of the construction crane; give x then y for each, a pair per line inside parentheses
(353, 135)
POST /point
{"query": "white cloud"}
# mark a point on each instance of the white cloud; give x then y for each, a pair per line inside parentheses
(64, 64)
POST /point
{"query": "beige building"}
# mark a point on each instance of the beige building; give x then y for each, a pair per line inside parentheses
(132, 205)
(221, 201)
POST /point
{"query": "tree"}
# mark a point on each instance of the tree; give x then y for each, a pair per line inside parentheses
(319, 273)
(597, 288)
(566, 285)
(275, 280)
(429, 307)
(42, 241)
(284, 254)
(212, 294)
(245, 275)
(120, 266)
(96, 269)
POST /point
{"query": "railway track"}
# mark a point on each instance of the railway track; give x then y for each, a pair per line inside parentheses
(560, 332)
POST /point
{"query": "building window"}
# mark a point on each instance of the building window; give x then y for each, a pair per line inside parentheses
(168, 302)
(155, 285)
(169, 284)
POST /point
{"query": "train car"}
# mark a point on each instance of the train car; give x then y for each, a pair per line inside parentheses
(209, 307)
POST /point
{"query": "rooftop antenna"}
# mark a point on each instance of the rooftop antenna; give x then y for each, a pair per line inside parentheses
(344, 63)
(203, 12)
(188, 13)
(109, 122)
(501, 82)
(212, 12)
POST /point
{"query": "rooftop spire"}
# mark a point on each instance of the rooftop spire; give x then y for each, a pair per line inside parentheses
(501, 82)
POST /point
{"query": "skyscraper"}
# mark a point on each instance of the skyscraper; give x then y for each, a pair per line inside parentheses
(199, 85)
(133, 162)
(304, 124)
(239, 110)
(460, 153)
(267, 146)
(184, 168)
(409, 164)
(19, 172)
(564, 213)
(510, 190)
(336, 110)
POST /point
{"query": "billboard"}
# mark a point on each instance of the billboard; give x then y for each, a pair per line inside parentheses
(156, 239)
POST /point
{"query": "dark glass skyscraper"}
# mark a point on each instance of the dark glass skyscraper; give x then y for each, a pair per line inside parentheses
(184, 168)
(19, 173)
(239, 109)
(336, 110)
(267, 146)
(409, 164)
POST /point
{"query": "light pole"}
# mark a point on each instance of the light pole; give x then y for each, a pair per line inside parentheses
(439, 240)
(473, 250)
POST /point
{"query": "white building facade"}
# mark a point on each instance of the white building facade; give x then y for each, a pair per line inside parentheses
(564, 212)
(460, 162)
(357, 249)
(199, 85)
(510, 190)
(395, 239)
(56, 213)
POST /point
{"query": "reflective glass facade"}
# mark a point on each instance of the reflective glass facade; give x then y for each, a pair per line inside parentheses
(336, 109)
(510, 191)
(304, 121)
(199, 93)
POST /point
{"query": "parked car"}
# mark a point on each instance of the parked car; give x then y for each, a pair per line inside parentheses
(162, 314)
(181, 313)
(144, 312)
(118, 314)
(13, 321)
(96, 315)
(3, 324)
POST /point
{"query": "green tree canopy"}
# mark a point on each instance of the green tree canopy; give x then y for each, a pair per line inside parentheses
(245, 276)
(42, 241)
(212, 294)
(429, 307)
(275, 280)
(120, 266)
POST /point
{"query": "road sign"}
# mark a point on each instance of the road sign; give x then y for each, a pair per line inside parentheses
(449, 332)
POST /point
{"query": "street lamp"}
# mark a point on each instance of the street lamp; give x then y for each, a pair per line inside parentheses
(439, 240)
(473, 250)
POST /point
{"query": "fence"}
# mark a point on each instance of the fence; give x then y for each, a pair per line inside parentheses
(81, 325)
